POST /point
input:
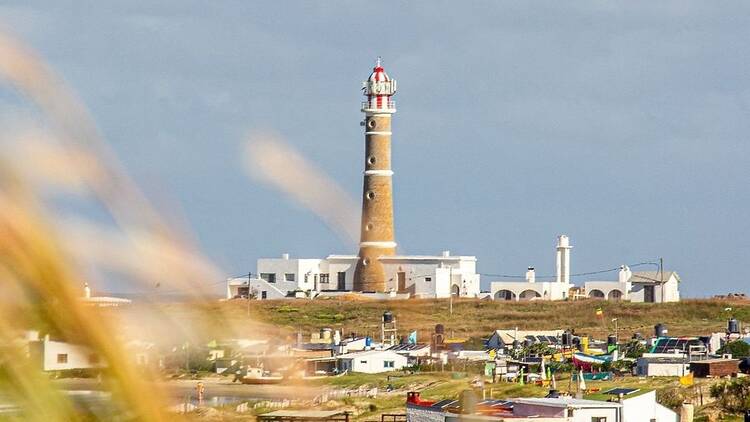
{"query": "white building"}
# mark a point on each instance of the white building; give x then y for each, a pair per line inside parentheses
(59, 356)
(642, 286)
(545, 290)
(424, 276)
(372, 361)
(102, 301)
(662, 365)
(574, 410)
(632, 405)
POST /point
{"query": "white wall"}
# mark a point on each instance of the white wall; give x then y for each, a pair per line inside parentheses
(644, 408)
(671, 291)
(545, 290)
(579, 414)
(373, 362)
(335, 265)
(426, 276)
(661, 369)
(78, 357)
(608, 286)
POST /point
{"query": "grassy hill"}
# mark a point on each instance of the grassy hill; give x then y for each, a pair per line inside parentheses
(470, 318)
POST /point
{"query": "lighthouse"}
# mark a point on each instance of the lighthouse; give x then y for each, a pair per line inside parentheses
(377, 235)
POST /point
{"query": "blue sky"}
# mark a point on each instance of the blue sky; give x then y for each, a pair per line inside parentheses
(621, 124)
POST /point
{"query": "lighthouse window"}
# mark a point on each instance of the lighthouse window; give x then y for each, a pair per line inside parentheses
(372, 123)
(370, 195)
(366, 261)
(369, 226)
(371, 160)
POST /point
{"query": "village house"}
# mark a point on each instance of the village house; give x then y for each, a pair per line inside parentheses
(371, 361)
(52, 355)
(615, 405)
(640, 286)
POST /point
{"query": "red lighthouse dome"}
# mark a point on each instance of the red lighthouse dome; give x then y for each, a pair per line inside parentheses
(379, 88)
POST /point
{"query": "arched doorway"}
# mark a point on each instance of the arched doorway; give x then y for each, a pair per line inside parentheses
(615, 295)
(596, 294)
(455, 290)
(504, 295)
(529, 295)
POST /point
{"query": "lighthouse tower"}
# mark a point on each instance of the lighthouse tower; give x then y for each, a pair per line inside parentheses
(376, 238)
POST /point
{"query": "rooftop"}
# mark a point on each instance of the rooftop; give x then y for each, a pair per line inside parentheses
(652, 276)
(564, 402)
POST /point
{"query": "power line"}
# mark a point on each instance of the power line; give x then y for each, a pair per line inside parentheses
(609, 270)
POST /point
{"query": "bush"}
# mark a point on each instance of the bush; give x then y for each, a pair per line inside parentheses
(738, 349)
(732, 396)
(670, 397)
(634, 349)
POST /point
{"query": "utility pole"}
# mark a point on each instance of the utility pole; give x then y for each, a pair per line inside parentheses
(617, 337)
(187, 357)
(450, 288)
(661, 278)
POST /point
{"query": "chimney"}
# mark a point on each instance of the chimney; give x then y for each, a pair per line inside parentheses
(531, 275)
(624, 274)
(285, 256)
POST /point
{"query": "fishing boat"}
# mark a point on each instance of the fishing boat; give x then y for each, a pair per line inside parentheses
(259, 376)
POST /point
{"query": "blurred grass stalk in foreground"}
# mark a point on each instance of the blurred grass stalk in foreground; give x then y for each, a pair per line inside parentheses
(43, 254)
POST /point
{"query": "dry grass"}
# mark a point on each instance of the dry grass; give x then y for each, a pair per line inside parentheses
(475, 318)
(46, 255)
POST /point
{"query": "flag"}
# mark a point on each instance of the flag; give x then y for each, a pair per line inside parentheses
(581, 381)
(686, 380)
(542, 371)
(599, 312)
(412, 337)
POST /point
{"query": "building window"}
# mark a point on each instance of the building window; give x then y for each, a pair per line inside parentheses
(389, 364)
(62, 358)
(264, 294)
(269, 277)
(289, 277)
(324, 278)
(598, 419)
(363, 362)
(428, 279)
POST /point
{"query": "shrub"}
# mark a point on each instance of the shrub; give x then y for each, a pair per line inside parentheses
(670, 397)
(738, 349)
(732, 396)
(634, 349)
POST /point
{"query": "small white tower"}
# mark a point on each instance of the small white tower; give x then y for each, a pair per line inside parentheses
(531, 275)
(624, 274)
(86, 291)
(562, 264)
